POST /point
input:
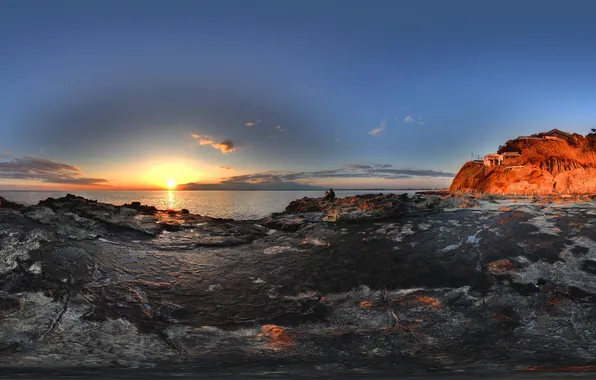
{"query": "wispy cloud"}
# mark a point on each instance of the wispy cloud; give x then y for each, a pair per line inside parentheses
(225, 146)
(382, 171)
(302, 180)
(203, 140)
(410, 119)
(227, 167)
(279, 128)
(379, 129)
(252, 123)
(33, 168)
(359, 166)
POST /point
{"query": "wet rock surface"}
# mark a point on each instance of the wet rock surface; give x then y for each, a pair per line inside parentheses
(418, 285)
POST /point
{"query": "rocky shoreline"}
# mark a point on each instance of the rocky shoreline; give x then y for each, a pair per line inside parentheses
(408, 284)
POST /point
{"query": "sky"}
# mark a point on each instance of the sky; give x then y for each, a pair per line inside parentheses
(264, 94)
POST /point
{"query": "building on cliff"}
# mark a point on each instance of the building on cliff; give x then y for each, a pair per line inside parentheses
(556, 134)
(506, 158)
(511, 158)
(493, 159)
(553, 134)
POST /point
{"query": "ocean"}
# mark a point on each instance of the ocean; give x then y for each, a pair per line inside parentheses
(219, 204)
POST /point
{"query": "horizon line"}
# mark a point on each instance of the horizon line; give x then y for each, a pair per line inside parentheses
(163, 189)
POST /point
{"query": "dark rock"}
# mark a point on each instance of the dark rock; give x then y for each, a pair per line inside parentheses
(9, 303)
(305, 205)
(94, 282)
(144, 209)
(290, 224)
(184, 211)
(5, 204)
(589, 266)
(434, 192)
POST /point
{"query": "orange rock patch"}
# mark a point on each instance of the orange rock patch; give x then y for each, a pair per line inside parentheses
(501, 266)
(277, 336)
(433, 302)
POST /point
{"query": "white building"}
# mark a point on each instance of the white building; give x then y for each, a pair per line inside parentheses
(493, 159)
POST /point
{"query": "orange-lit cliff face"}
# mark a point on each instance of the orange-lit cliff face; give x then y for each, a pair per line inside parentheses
(547, 164)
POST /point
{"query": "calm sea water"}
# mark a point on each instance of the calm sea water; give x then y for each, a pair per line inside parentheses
(219, 204)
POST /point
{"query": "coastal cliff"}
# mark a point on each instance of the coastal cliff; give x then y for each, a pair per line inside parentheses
(555, 162)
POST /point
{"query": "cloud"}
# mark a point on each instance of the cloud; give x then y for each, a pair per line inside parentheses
(226, 146)
(250, 123)
(227, 167)
(381, 127)
(249, 186)
(205, 141)
(409, 119)
(350, 171)
(297, 180)
(279, 128)
(421, 122)
(358, 166)
(33, 168)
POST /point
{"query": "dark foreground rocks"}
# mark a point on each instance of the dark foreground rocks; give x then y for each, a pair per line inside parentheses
(6, 204)
(408, 285)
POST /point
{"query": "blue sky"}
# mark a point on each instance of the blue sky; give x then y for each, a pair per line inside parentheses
(306, 91)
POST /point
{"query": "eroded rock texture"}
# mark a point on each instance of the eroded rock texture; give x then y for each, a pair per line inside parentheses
(503, 286)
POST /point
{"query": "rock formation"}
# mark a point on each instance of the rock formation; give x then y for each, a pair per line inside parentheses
(500, 287)
(8, 204)
(544, 166)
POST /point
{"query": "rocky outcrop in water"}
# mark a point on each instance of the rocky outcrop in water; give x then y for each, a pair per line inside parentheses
(371, 207)
(501, 286)
(6, 204)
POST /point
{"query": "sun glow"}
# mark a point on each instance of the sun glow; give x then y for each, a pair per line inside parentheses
(168, 173)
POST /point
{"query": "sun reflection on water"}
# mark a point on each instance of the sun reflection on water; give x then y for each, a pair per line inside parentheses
(171, 198)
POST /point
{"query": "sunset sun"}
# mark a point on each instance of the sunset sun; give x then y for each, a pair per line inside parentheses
(171, 184)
